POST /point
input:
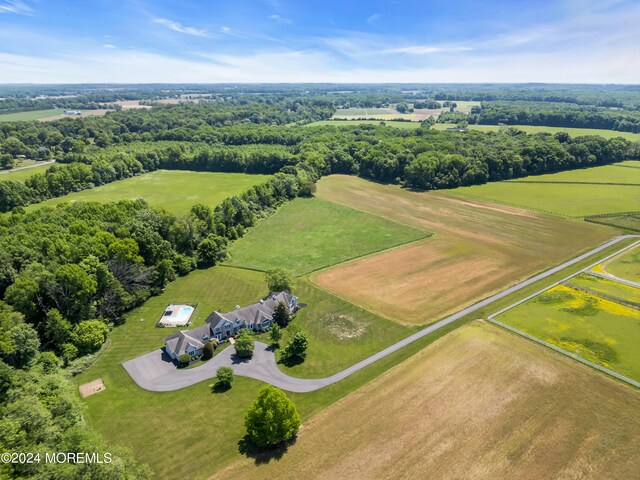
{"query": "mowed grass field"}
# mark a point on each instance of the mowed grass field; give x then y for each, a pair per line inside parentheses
(625, 266)
(609, 288)
(574, 132)
(308, 234)
(174, 190)
(477, 249)
(339, 335)
(22, 175)
(450, 413)
(568, 199)
(27, 116)
(599, 330)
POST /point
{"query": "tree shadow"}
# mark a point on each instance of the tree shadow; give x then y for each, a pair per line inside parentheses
(292, 361)
(236, 359)
(264, 455)
(220, 387)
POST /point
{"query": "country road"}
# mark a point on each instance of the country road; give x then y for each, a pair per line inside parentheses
(154, 373)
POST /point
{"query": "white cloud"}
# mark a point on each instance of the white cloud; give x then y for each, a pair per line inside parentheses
(373, 19)
(177, 27)
(427, 49)
(226, 30)
(109, 45)
(15, 6)
(280, 19)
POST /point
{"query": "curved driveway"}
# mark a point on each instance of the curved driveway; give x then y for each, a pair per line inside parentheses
(156, 373)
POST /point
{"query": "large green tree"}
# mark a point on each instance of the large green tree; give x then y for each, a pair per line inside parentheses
(281, 315)
(272, 419)
(279, 280)
(244, 344)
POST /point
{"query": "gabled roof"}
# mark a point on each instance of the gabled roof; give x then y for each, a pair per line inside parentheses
(179, 342)
(252, 314)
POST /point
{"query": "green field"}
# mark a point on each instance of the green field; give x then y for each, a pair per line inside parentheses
(351, 123)
(21, 175)
(573, 200)
(175, 190)
(626, 266)
(598, 330)
(574, 132)
(606, 287)
(309, 234)
(26, 116)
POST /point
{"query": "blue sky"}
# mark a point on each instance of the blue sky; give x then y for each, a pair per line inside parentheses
(73, 41)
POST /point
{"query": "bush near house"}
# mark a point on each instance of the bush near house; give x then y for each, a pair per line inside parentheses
(184, 360)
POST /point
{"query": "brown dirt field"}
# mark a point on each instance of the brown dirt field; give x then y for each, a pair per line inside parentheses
(479, 403)
(477, 249)
(127, 104)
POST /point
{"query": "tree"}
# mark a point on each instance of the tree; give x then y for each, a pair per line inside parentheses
(184, 360)
(402, 107)
(57, 329)
(224, 376)
(297, 347)
(88, 336)
(211, 250)
(49, 362)
(244, 344)
(7, 161)
(272, 419)
(275, 335)
(279, 280)
(27, 345)
(207, 351)
(69, 353)
(307, 188)
(281, 315)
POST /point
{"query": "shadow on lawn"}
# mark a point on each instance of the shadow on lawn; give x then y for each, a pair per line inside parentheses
(264, 455)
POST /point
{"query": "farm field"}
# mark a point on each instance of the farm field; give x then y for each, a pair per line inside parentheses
(625, 266)
(606, 287)
(574, 132)
(601, 331)
(85, 113)
(21, 175)
(477, 249)
(33, 115)
(308, 234)
(573, 200)
(174, 190)
(123, 406)
(428, 414)
(616, 173)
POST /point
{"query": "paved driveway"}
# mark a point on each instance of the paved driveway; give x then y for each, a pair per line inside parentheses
(154, 372)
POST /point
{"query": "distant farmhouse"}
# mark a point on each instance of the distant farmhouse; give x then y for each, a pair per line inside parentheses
(257, 317)
(72, 112)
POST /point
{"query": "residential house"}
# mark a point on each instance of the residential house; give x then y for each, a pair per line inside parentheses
(257, 317)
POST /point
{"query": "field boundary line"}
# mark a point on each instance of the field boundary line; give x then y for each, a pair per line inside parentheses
(566, 353)
(540, 292)
(514, 205)
(555, 182)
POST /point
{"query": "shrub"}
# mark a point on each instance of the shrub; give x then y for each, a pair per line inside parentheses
(207, 351)
(224, 377)
(297, 347)
(244, 344)
(184, 359)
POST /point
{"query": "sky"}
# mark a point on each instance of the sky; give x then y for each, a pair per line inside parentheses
(374, 41)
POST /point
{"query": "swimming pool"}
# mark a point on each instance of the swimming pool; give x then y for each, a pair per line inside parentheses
(176, 315)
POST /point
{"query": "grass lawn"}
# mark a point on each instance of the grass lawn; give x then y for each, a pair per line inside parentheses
(309, 233)
(607, 287)
(351, 123)
(34, 115)
(21, 175)
(626, 266)
(573, 200)
(174, 190)
(479, 403)
(598, 330)
(340, 334)
(574, 132)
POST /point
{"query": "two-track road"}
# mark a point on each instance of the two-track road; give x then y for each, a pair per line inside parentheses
(154, 373)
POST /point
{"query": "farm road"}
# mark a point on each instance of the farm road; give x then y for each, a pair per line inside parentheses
(39, 164)
(154, 373)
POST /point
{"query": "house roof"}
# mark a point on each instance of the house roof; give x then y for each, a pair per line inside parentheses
(179, 342)
(251, 314)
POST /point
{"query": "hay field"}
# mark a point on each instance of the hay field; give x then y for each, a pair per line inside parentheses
(479, 403)
(33, 115)
(532, 129)
(477, 249)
